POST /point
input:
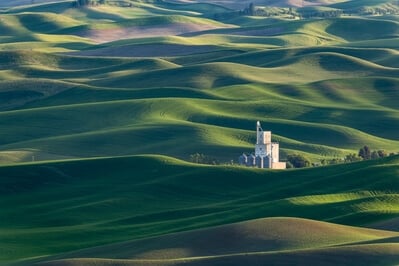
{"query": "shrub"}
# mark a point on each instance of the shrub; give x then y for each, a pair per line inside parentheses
(298, 160)
(202, 159)
(353, 157)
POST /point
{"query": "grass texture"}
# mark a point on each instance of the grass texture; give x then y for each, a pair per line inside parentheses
(49, 208)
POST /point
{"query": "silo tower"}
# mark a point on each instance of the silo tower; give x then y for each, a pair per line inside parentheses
(263, 146)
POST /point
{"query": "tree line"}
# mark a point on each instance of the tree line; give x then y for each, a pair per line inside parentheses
(364, 153)
(303, 13)
(81, 3)
(301, 161)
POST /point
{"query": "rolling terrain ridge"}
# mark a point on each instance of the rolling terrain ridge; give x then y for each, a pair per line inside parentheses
(84, 203)
(101, 107)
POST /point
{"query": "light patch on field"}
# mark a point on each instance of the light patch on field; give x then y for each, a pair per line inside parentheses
(149, 50)
(9, 75)
(114, 34)
(167, 253)
(285, 3)
(52, 38)
(259, 32)
(331, 198)
(385, 204)
(14, 156)
(29, 155)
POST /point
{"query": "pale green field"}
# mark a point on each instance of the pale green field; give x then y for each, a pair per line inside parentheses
(337, 76)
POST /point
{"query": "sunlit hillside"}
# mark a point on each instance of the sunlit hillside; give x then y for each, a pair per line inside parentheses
(137, 77)
(103, 104)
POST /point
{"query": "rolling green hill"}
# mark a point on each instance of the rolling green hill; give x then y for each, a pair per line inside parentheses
(329, 91)
(336, 76)
(273, 240)
(101, 107)
(49, 208)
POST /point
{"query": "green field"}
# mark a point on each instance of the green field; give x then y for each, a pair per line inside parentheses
(202, 80)
(69, 205)
(102, 106)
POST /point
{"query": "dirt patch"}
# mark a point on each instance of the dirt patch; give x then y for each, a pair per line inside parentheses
(239, 5)
(149, 50)
(295, 3)
(109, 35)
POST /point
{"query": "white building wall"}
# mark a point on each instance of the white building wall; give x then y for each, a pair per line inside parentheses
(275, 152)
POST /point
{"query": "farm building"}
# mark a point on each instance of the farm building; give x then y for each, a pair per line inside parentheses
(266, 152)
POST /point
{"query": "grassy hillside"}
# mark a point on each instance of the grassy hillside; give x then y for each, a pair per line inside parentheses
(92, 202)
(384, 254)
(325, 87)
(273, 240)
(337, 76)
(115, 81)
(329, 91)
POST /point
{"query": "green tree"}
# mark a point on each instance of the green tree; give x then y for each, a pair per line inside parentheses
(251, 9)
(203, 159)
(80, 3)
(289, 165)
(353, 157)
(382, 153)
(365, 153)
(335, 161)
(298, 160)
(197, 158)
(374, 155)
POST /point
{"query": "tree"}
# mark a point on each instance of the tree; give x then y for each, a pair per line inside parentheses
(203, 159)
(298, 160)
(335, 161)
(80, 3)
(382, 153)
(365, 153)
(197, 158)
(251, 9)
(374, 155)
(353, 157)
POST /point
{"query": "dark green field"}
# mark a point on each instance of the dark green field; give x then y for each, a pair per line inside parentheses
(101, 107)
(52, 208)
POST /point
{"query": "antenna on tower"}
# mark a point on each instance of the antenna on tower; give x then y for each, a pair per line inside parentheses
(258, 126)
(258, 132)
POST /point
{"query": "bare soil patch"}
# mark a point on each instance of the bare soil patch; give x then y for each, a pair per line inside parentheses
(109, 35)
(239, 5)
